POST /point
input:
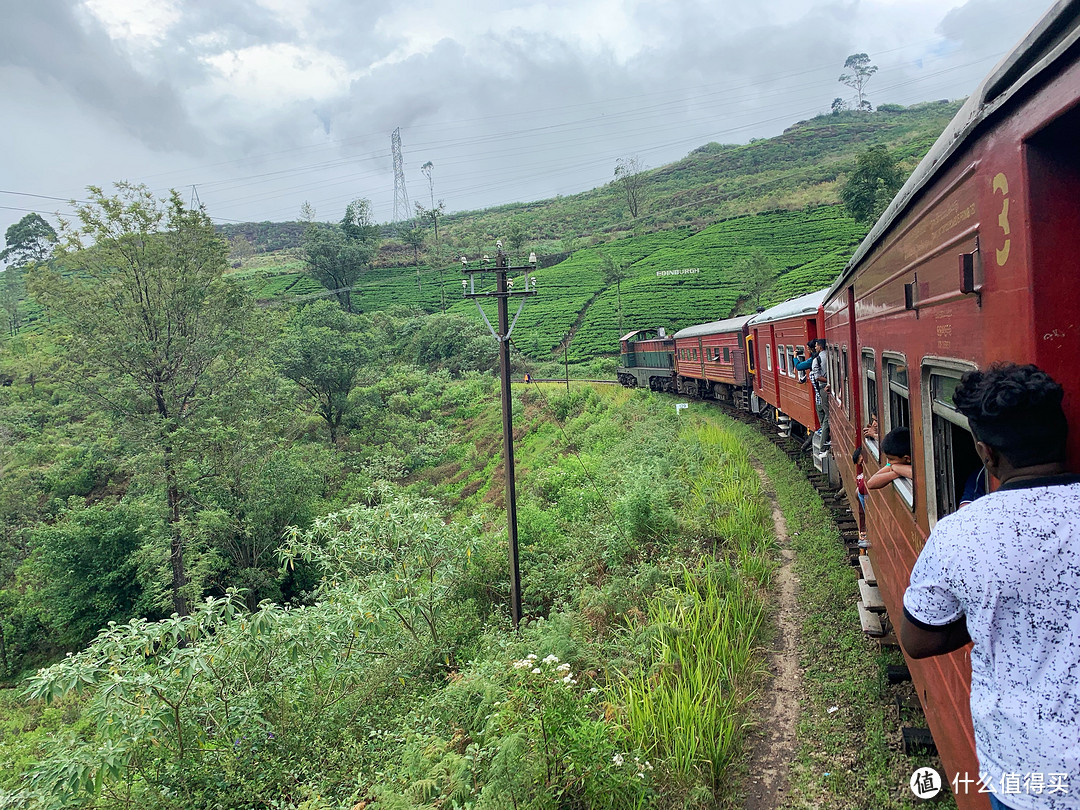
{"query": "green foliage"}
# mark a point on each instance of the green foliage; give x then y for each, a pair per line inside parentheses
(757, 275)
(409, 561)
(873, 184)
(87, 568)
(31, 240)
(337, 257)
(449, 341)
(149, 327)
(322, 350)
(861, 71)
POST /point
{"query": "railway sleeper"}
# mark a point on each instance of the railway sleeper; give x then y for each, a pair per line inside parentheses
(917, 741)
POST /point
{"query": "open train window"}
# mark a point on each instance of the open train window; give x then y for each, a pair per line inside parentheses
(845, 381)
(768, 357)
(950, 453)
(897, 402)
(791, 361)
(836, 376)
(871, 411)
(727, 355)
(751, 354)
(898, 411)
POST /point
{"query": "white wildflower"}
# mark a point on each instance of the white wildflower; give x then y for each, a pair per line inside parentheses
(593, 691)
(562, 668)
(551, 659)
(532, 656)
(617, 759)
(536, 670)
(522, 664)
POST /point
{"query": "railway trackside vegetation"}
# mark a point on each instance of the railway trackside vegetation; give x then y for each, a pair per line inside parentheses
(849, 751)
(396, 681)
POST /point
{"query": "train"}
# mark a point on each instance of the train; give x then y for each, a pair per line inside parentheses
(974, 261)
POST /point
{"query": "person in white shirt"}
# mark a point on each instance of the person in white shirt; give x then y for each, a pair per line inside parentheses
(1004, 574)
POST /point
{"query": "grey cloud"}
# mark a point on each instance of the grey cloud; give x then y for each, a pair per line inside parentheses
(47, 38)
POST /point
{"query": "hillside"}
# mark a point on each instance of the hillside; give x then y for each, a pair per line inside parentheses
(701, 215)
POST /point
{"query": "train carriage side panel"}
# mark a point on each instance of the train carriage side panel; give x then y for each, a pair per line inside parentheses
(974, 262)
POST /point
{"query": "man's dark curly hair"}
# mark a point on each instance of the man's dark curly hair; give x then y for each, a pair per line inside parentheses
(897, 442)
(1017, 411)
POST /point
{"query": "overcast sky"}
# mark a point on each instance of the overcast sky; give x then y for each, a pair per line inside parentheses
(260, 105)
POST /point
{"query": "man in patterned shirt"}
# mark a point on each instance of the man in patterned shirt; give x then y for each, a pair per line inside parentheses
(1004, 573)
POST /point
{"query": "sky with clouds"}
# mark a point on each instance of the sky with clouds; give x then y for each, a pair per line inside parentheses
(255, 106)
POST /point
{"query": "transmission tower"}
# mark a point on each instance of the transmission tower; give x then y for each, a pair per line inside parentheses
(401, 196)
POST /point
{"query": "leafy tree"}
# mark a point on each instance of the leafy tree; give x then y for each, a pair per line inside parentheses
(861, 71)
(614, 273)
(29, 240)
(337, 257)
(875, 181)
(757, 275)
(450, 341)
(515, 236)
(149, 325)
(414, 238)
(838, 105)
(322, 351)
(629, 173)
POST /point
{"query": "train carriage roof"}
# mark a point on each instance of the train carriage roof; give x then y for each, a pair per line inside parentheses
(1044, 44)
(803, 305)
(728, 325)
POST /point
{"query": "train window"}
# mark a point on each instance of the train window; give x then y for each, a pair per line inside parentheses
(781, 360)
(871, 411)
(898, 412)
(768, 357)
(751, 354)
(727, 354)
(835, 375)
(951, 456)
(898, 408)
(845, 381)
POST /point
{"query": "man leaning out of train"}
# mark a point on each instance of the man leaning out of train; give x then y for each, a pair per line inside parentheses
(1004, 573)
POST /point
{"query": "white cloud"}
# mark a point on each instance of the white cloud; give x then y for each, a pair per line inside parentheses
(277, 74)
(142, 23)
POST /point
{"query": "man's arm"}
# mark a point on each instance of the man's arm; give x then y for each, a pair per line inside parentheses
(922, 640)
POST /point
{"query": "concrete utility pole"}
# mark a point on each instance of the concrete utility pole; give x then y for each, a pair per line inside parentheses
(504, 289)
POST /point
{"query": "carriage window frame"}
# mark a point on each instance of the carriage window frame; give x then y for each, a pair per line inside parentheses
(727, 354)
(905, 487)
(869, 377)
(781, 358)
(789, 350)
(846, 381)
(950, 368)
(768, 357)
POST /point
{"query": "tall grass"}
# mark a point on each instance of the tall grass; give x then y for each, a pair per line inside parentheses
(690, 707)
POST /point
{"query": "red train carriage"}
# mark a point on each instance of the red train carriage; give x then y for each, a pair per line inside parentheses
(646, 359)
(710, 361)
(975, 261)
(775, 337)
